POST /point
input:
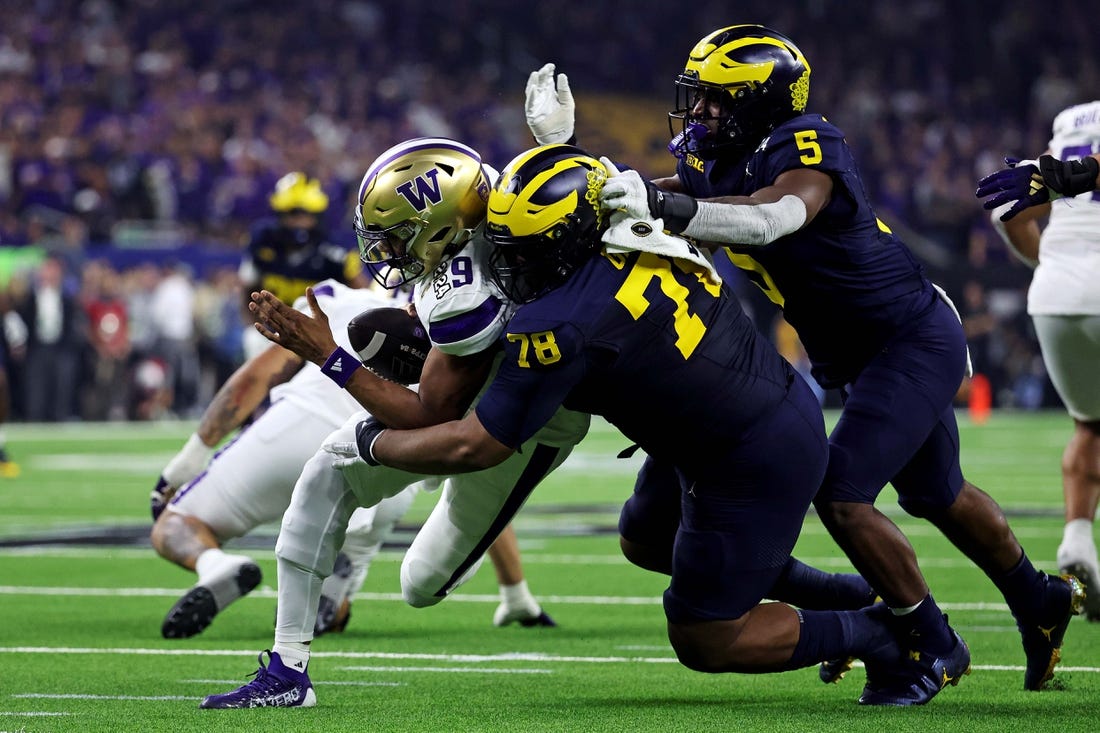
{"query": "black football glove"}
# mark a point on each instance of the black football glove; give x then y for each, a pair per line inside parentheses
(159, 497)
(1034, 182)
(366, 433)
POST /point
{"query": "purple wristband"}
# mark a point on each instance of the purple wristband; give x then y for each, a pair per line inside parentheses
(339, 366)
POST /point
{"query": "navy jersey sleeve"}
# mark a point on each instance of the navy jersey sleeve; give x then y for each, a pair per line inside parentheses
(805, 142)
(539, 368)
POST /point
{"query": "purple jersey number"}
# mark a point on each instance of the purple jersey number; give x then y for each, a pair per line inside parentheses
(462, 271)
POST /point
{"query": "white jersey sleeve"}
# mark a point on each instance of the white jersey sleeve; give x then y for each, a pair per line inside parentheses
(1069, 249)
(311, 389)
(461, 309)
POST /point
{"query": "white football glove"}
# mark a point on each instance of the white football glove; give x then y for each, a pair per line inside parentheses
(549, 106)
(625, 192)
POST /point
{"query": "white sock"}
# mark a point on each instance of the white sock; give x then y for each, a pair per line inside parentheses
(1077, 531)
(296, 612)
(517, 596)
(214, 562)
(294, 654)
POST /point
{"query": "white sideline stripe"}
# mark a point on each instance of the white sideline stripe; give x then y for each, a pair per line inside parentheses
(490, 670)
(327, 683)
(32, 713)
(79, 696)
(509, 656)
(396, 556)
(505, 657)
(28, 590)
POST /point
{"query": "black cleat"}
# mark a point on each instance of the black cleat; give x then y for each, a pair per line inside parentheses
(197, 608)
(916, 679)
(1043, 637)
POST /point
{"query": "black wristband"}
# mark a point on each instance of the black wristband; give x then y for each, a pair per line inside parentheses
(676, 209)
(366, 433)
(1069, 177)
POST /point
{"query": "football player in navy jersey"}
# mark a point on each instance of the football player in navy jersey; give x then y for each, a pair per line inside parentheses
(645, 334)
(291, 250)
(778, 190)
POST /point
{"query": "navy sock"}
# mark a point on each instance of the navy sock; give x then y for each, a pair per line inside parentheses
(1022, 587)
(926, 628)
(807, 587)
(835, 634)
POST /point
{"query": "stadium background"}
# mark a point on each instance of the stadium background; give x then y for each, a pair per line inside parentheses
(140, 139)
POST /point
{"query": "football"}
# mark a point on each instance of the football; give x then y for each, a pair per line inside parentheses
(390, 342)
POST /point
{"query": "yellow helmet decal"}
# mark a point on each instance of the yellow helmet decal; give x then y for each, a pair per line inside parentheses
(297, 191)
(510, 203)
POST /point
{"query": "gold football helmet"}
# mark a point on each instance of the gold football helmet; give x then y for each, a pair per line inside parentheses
(417, 200)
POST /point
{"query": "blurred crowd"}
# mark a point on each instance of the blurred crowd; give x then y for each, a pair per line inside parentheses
(165, 123)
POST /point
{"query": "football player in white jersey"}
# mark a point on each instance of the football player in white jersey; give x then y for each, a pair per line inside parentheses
(249, 483)
(1064, 304)
(420, 217)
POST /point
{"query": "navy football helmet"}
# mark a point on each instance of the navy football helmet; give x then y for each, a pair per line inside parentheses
(544, 219)
(757, 77)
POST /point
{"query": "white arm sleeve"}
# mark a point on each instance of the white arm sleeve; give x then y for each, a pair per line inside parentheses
(747, 223)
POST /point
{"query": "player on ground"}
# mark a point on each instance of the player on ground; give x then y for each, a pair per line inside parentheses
(645, 334)
(778, 187)
(1064, 303)
(420, 216)
(249, 483)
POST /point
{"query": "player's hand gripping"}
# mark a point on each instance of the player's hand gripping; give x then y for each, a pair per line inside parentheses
(638, 198)
(1034, 182)
(549, 106)
(309, 338)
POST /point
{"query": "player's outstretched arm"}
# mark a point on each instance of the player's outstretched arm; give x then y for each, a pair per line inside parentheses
(774, 211)
(1027, 183)
(448, 383)
(459, 446)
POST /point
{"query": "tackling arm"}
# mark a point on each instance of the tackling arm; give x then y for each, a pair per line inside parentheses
(458, 446)
(448, 384)
(796, 197)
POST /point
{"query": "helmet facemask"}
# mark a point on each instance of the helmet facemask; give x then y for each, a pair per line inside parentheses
(526, 268)
(387, 251)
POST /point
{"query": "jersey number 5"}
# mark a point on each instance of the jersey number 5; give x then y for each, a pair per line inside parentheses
(806, 141)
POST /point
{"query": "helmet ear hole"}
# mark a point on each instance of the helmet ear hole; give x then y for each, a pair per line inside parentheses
(443, 235)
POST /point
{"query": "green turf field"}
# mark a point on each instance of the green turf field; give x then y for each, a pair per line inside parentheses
(80, 647)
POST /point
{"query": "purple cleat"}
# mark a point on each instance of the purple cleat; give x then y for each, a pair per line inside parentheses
(273, 686)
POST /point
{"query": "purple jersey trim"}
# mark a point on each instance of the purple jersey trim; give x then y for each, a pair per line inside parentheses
(325, 289)
(461, 327)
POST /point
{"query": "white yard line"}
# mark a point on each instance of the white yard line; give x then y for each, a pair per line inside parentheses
(465, 658)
